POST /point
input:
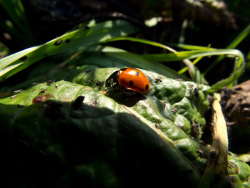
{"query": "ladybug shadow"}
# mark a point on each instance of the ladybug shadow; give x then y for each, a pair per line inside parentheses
(126, 99)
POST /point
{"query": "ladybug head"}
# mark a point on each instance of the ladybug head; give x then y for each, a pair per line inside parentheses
(113, 78)
(107, 83)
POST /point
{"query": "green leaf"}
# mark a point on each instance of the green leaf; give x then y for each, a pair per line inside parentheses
(54, 119)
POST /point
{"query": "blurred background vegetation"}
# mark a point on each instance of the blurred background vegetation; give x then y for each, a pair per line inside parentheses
(202, 23)
(207, 23)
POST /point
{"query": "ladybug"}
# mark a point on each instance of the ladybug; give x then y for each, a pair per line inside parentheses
(129, 80)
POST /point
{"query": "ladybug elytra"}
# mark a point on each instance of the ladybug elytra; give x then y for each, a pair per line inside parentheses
(129, 80)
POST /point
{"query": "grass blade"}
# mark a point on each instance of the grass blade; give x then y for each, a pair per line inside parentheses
(152, 43)
(232, 45)
(190, 47)
(239, 67)
(73, 41)
(138, 61)
(183, 56)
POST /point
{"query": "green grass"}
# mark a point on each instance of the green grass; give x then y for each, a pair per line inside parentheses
(94, 38)
(77, 42)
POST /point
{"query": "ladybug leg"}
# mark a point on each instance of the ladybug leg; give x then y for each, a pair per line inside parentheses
(122, 89)
(113, 87)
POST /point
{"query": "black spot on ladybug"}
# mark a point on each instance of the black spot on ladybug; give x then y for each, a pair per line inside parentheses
(146, 87)
(86, 27)
(23, 58)
(67, 40)
(78, 102)
(137, 73)
(58, 42)
(123, 69)
(131, 83)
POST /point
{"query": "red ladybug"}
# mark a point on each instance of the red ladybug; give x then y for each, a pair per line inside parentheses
(130, 80)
